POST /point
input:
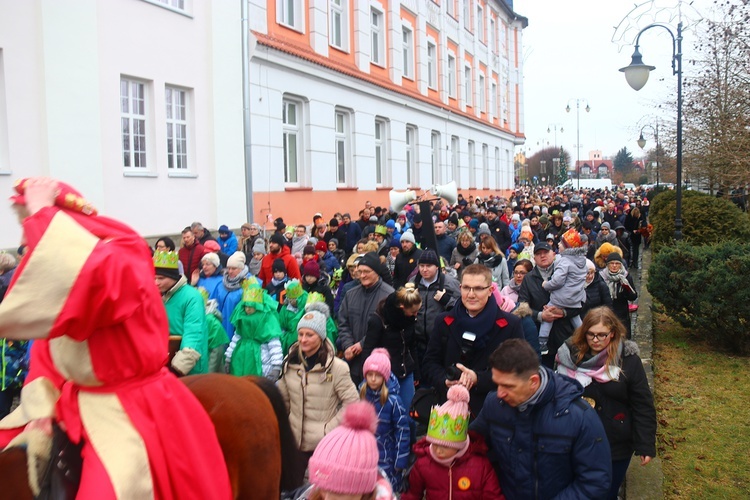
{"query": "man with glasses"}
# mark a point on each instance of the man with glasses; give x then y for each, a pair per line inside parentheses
(463, 338)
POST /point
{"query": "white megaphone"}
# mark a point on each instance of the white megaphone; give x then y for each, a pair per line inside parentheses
(399, 200)
(447, 191)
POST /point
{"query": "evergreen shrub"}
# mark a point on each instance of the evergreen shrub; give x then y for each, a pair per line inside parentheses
(704, 288)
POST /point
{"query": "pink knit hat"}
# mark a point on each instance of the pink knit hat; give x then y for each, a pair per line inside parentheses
(379, 361)
(449, 423)
(346, 460)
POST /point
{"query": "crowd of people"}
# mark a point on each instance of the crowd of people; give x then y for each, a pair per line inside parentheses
(517, 324)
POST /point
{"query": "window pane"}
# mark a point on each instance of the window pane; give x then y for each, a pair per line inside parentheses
(378, 165)
(339, 123)
(341, 166)
(292, 158)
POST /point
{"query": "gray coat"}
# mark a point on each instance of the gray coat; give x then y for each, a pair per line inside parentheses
(567, 285)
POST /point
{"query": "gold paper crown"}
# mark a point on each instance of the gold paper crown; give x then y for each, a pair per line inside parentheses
(166, 260)
(204, 294)
(253, 294)
(293, 289)
(315, 297)
(446, 428)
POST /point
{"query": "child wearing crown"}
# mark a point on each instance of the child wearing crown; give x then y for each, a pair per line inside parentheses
(452, 463)
(567, 285)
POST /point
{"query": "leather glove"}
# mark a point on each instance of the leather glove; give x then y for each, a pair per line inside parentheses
(185, 359)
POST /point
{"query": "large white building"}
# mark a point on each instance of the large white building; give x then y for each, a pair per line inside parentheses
(139, 104)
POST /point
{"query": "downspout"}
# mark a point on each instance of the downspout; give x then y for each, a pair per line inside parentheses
(246, 109)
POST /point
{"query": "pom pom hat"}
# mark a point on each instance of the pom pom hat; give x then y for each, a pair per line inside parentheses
(379, 361)
(315, 321)
(572, 239)
(236, 260)
(346, 460)
(449, 423)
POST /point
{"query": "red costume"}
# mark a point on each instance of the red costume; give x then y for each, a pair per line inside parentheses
(86, 292)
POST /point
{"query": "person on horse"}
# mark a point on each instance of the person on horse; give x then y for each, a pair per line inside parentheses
(85, 292)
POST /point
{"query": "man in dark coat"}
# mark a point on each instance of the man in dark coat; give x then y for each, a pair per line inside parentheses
(498, 229)
(406, 260)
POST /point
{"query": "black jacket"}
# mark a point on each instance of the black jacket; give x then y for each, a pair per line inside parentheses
(597, 294)
(500, 233)
(387, 327)
(405, 264)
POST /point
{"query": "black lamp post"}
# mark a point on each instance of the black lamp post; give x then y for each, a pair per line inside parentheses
(642, 144)
(637, 75)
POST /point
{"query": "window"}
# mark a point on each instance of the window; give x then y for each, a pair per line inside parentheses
(411, 156)
(339, 26)
(408, 51)
(467, 15)
(289, 13)
(382, 177)
(378, 37)
(480, 22)
(343, 147)
(485, 166)
(435, 145)
(431, 65)
(133, 122)
(175, 4)
(450, 8)
(491, 35)
(291, 117)
(177, 128)
(451, 76)
(455, 155)
(472, 166)
(493, 99)
(482, 95)
(468, 86)
(497, 168)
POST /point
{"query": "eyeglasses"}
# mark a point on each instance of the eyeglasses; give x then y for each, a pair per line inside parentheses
(598, 336)
(519, 273)
(474, 289)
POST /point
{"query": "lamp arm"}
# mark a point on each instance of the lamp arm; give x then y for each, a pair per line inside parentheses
(674, 42)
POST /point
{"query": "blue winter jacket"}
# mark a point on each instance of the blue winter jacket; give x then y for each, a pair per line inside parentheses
(393, 428)
(331, 261)
(228, 245)
(557, 448)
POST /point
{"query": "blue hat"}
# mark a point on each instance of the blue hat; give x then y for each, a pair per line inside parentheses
(223, 229)
(390, 224)
(518, 247)
(474, 223)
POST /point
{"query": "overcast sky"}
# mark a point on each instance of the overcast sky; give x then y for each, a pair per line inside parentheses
(569, 54)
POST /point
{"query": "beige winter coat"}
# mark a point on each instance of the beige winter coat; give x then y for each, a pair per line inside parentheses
(315, 399)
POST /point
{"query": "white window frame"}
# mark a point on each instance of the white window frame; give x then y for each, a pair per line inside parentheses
(339, 19)
(435, 157)
(491, 34)
(377, 37)
(290, 13)
(480, 22)
(493, 100)
(472, 165)
(293, 174)
(482, 93)
(469, 85)
(407, 41)
(450, 8)
(485, 166)
(178, 132)
(142, 118)
(455, 158)
(467, 16)
(497, 168)
(432, 64)
(174, 4)
(343, 147)
(382, 152)
(451, 75)
(412, 172)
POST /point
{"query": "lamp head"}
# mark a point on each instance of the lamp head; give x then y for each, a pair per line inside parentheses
(641, 141)
(636, 73)
(588, 108)
(567, 108)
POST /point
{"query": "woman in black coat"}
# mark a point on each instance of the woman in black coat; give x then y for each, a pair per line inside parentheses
(391, 326)
(597, 292)
(621, 288)
(615, 385)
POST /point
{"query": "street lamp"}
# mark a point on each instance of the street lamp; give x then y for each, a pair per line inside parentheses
(642, 144)
(578, 132)
(636, 73)
(554, 127)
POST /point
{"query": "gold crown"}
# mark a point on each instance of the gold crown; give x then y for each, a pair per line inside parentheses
(293, 289)
(253, 294)
(166, 260)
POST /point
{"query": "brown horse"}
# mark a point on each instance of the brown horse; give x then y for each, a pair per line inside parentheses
(251, 423)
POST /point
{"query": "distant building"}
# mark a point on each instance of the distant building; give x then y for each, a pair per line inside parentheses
(595, 167)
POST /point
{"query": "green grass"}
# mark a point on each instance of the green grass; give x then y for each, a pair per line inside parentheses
(703, 411)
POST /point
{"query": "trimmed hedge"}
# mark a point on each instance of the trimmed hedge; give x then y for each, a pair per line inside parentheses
(706, 220)
(664, 197)
(705, 288)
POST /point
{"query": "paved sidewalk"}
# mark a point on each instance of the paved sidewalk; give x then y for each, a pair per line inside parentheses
(644, 482)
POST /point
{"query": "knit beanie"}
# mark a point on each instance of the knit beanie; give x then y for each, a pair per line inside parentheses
(224, 229)
(484, 228)
(390, 224)
(315, 321)
(277, 238)
(335, 241)
(311, 268)
(278, 266)
(259, 246)
(371, 260)
(211, 246)
(309, 249)
(322, 246)
(334, 222)
(429, 257)
(236, 260)
(346, 460)
(212, 258)
(449, 423)
(379, 361)
(408, 236)
(527, 233)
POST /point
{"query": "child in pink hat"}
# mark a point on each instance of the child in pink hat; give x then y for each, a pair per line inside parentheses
(451, 462)
(380, 388)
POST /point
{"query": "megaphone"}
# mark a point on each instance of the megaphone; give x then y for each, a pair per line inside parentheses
(448, 191)
(399, 200)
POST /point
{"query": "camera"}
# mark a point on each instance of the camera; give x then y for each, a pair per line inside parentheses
(467, 346)
(452, 373)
